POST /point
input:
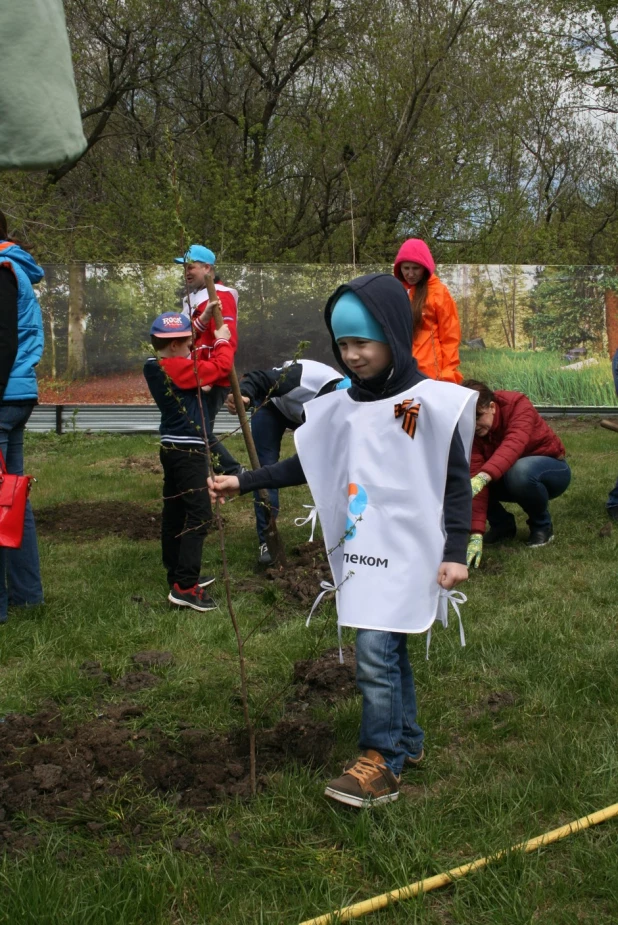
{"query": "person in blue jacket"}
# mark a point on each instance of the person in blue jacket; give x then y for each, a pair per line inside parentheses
(612, 500)
(21, 348)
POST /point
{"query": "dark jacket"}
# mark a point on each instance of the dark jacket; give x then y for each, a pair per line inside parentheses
(517, 430)
(173, 385)
(387, 301)
(288, 387)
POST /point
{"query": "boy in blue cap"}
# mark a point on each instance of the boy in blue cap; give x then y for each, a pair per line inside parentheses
(179, 385)
(199, 263)
(387, 464)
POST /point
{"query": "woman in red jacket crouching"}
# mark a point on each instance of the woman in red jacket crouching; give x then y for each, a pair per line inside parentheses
(516, 457)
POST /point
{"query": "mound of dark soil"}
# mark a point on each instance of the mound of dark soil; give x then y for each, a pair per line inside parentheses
(82, 520)
(300, 580)
(52, 770)
(324, 679)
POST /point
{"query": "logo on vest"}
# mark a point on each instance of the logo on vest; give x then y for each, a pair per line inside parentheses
(357, 502)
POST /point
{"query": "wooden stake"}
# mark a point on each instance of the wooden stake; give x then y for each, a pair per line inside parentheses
(273, 540)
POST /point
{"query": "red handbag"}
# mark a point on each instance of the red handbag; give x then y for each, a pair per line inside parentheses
(14, 490)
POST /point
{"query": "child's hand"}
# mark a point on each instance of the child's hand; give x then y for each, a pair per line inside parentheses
(451, 574)
(230, 404)
(223, 332)
(222, 487)
(206, 388)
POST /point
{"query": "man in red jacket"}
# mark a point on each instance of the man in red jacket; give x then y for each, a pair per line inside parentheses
(198, 263)
(516, 457)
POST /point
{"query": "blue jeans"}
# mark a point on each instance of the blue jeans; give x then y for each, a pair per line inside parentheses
(385, 679)
(612, 499)
(268, 426)
(20, 574)
(531, 482)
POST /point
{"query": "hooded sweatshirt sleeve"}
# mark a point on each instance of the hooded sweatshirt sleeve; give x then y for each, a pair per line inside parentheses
(270, 383)
(457, 503)
(284, 474)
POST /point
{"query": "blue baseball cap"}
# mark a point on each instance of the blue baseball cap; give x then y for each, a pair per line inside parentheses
(197, 253)
(350, 318)
(171, 324)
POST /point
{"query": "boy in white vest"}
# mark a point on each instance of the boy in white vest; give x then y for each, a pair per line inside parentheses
(387, 468)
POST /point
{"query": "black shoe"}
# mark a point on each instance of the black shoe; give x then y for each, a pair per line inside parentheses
(264, 557)
(612, 512)
(500, 533)
(540, 537)
(194, 597)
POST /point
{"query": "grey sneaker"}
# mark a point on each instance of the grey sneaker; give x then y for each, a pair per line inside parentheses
(264, 557)
(364, 782)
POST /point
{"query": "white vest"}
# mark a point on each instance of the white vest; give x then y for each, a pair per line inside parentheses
(313, 377)
(380, 497)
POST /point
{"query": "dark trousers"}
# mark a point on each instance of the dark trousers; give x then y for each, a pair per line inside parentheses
(531, 482)
(186, 513)
(268, 426)
(223, 461)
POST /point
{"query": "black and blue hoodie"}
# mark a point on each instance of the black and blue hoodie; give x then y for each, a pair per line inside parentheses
(385, 297)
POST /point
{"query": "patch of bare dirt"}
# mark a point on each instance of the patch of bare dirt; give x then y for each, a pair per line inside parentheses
(83, 520)
(300, 580)
(53, 770)
(142, 464)
(494, 703)
(324, 679)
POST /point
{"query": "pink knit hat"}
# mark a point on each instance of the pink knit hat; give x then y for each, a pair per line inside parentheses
(414, 251)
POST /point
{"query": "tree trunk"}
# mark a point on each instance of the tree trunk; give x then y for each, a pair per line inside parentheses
(611, 320)
(76, 361)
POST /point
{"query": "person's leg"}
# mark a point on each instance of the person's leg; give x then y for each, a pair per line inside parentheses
(20, 581)
(172, 515)
(223, 461)
(190, 470)
(532, 482)
(374, 776)
(379, 663)
(412, 735)
(612, 502)
(502, 524)
(268, 426)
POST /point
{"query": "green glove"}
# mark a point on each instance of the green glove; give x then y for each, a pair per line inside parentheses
(478, 483)
(474, 553)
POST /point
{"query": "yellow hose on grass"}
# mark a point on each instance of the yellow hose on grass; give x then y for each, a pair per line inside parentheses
(456, 873)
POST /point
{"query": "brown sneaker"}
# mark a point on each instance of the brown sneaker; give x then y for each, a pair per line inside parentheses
(364, 781)
(414, 762)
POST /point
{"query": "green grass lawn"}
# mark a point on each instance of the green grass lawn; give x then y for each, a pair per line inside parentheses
(521, 725)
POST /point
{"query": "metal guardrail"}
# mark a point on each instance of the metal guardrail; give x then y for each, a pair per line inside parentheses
(132, 419)
(113, 419)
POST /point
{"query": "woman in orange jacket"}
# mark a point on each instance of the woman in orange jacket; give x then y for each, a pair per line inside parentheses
(437, 334)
